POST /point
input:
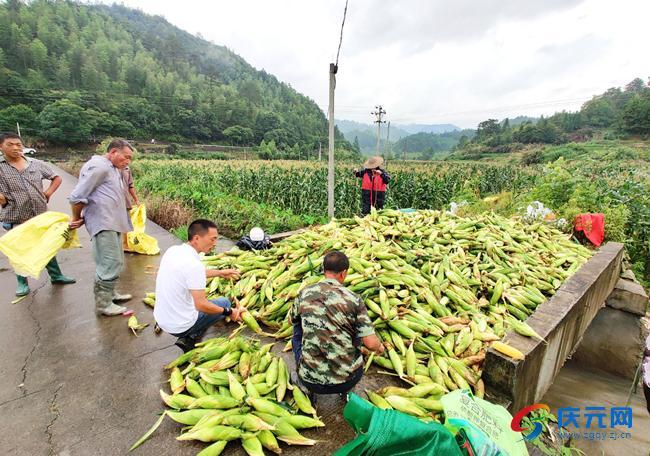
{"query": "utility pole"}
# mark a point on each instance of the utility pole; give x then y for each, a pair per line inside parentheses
(18, 128)
(330, 154)
(379, 112)
(334, 67)
(320, 151)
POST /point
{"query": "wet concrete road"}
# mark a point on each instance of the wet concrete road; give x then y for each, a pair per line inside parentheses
(77, 384)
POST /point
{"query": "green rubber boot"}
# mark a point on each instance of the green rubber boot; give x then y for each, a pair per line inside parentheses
(56, 276)
(22, 289)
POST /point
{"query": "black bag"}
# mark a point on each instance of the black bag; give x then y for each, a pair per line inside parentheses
(246, 243)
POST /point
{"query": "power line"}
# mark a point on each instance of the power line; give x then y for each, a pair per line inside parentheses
(488, 111)
(345, 12)
(351, 108)
(588, 95)
(333, 69)
(172, 101)
(497, 109)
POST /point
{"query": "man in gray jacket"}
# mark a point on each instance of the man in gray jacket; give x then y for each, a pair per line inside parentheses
(98, 202)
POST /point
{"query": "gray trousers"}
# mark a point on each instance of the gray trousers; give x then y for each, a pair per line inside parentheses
(108, 256)
(109, 261)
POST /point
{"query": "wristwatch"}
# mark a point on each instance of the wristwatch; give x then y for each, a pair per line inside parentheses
(227, 312)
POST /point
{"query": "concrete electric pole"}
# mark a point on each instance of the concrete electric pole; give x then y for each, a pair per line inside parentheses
(330, 151)
(334, 67)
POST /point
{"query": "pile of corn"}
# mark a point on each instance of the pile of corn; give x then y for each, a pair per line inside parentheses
(226, 390)
(439, 288)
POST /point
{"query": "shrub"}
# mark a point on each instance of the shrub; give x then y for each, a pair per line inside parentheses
(532, 157)
(168, 213)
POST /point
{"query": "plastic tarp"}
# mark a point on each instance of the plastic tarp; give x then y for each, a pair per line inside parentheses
(31, 245)
(137, 240)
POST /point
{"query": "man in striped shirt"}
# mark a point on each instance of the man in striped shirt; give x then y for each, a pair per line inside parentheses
(22, 196)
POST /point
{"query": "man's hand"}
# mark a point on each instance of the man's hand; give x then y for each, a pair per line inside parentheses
(367, 351)
(74, 224)
(3, 200)
(376, 172)
(236, 313)
(56, 183)
(229, 274)
(373, 343)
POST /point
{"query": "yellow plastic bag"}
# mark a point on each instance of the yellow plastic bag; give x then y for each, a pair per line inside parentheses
(137, 240)
(31, 245)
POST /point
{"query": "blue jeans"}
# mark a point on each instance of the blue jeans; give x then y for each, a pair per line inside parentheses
(341, 388)
(296, 342)
(204, 321)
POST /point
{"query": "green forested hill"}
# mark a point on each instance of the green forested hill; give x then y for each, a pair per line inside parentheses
(70, 73)
(426, 145)
(615, 114)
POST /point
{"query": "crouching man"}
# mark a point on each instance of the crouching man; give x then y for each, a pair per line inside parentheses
(330, 323)
(182, 308)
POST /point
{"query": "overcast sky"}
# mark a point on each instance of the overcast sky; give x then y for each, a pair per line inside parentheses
(435, 61)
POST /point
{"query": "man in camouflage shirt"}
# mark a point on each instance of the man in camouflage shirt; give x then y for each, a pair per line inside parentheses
(329, 324)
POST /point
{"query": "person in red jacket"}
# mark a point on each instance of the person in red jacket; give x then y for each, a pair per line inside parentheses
(373, 184)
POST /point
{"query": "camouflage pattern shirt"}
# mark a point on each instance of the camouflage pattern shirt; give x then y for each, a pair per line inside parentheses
(333, 320)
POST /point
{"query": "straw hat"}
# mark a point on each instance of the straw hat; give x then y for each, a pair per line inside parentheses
(373, 162)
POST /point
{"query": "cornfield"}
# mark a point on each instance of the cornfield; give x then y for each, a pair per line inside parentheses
(285, 195)
(302, 188)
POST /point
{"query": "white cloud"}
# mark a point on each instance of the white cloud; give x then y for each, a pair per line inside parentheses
(439, 61)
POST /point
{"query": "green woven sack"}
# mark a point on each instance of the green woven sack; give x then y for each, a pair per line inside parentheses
(391, 433)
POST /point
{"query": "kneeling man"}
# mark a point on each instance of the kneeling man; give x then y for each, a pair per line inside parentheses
(182, 308)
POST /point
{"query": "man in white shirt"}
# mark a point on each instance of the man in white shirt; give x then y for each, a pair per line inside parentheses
(182, 308)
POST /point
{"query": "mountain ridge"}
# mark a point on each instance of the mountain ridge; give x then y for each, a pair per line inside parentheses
(73, 72)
